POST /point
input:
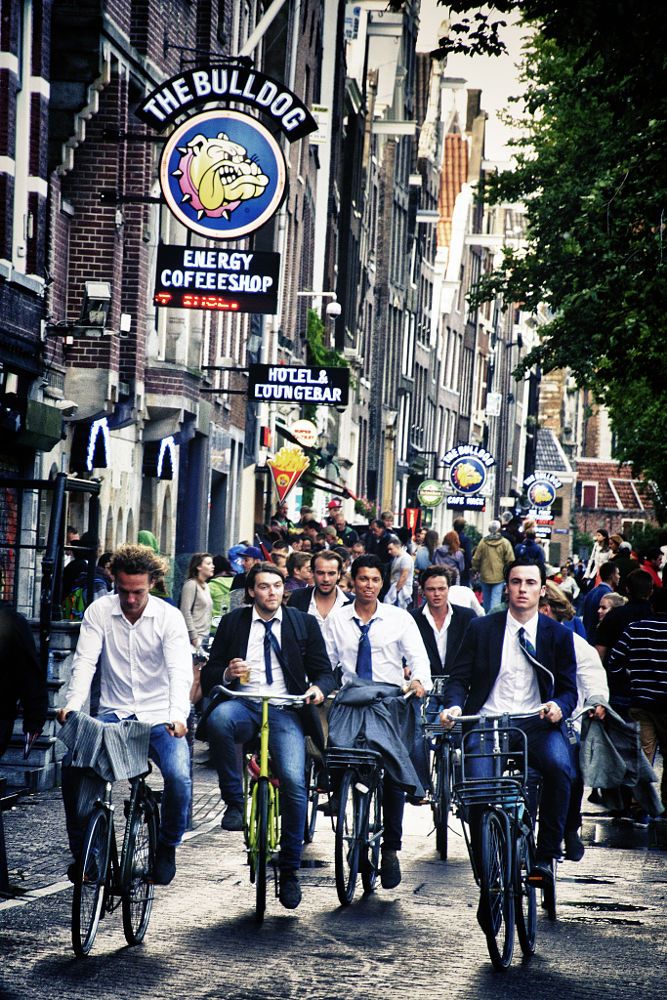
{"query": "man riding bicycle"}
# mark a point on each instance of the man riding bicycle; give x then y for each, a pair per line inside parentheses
(140, 646)
(268, 646)
(510, 662)
(370, 640)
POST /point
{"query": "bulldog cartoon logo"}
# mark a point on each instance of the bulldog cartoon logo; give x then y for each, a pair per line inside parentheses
(223, 174)
(216, 175)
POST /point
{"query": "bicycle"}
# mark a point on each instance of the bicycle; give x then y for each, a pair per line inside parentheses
(103, 880)
(261, 797)
(313, 792)
(358, 827)
(445, 762)
(505, 842)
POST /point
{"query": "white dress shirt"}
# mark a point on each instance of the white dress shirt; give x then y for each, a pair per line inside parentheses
(465, 598)
(516, 688)
(145, 668)
(440, 634)
(591, 675)
(393, 635)
(341, 600)
(255, 657)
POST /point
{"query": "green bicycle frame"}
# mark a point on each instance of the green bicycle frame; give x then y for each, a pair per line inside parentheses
(251, 787)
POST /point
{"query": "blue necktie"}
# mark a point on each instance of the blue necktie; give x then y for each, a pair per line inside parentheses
(270, 642)
(530, 653)
(364, 659)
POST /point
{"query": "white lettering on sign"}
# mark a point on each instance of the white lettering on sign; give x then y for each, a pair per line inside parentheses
(216, 281)
(310, 393)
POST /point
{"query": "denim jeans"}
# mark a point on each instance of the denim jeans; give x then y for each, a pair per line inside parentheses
(549, 754)
(236, 722)
(172, 756)
(491, 595)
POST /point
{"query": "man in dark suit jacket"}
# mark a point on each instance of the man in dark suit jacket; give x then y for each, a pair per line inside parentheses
(511, 662)
(442, 625)
(296, 663)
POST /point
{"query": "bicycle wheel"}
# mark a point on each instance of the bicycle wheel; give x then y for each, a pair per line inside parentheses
(347, 839)
(370, 864)
(89, 888)
(261, 836)
(496, 899)
(313, 800)
(525, 897)
(442, 798)
(138, 890)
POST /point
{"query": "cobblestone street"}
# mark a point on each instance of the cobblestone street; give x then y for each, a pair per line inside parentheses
(419, 941)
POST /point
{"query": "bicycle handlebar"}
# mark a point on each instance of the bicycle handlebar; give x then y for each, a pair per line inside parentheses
(491, 716)
(293, 699)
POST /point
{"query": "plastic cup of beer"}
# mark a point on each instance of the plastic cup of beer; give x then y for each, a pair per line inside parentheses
(244, 678)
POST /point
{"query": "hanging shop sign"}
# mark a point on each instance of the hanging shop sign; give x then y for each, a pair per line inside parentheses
(223, 280)
(240, 84)
(457, 502)
(222, 174)
(159, 459)
(299, 384)
(286, 469)
(468, 468)
(541, 489)
(305, 432)
(90, 446)
(430, 493)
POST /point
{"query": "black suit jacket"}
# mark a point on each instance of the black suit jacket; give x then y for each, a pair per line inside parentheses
(306, 660)
(300, 599)
(461, 618)
(477, 664)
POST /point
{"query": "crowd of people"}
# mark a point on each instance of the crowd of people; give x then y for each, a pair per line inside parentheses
(312, 607)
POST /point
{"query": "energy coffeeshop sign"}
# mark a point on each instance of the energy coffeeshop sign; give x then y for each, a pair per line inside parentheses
(231, 281)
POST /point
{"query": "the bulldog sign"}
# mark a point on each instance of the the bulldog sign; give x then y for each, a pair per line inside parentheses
(222, 174)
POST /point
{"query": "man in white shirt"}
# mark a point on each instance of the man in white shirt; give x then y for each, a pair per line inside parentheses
(370, 639)
(511, 662)
(140, 646)
(325, 596)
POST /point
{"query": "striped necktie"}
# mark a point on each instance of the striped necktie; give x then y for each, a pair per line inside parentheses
(530, 653)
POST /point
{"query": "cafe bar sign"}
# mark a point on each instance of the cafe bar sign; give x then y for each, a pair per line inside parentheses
(220, 280)
(299, 384)
(468, 469)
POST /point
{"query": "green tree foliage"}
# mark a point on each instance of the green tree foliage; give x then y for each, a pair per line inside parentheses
(591, 172)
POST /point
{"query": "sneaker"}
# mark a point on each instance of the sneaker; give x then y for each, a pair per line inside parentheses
(289, 892)
(574, 847)
(165, 864)
(390, 869)
(233, 819)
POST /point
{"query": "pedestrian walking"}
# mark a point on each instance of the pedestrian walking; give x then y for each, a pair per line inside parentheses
(490, 559)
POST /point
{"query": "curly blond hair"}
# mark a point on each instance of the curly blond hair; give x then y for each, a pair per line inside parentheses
(137, 559)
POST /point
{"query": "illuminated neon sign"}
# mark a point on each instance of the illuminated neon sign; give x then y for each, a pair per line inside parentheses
(200, 278)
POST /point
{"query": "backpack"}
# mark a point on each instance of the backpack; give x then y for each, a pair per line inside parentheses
(74, 605)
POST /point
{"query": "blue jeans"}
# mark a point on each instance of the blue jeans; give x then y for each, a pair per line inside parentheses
(549, 754)
(491, 595)
(236, 722)
(171, 755)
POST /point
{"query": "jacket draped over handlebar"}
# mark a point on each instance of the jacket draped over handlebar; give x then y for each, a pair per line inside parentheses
(477, 664)
(376, 717)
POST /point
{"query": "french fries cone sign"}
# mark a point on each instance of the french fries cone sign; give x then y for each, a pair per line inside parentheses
(287, 467)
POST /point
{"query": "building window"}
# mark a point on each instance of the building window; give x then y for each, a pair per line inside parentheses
(589, 495)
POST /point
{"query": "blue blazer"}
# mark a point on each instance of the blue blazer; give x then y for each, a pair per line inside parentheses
(477, 664)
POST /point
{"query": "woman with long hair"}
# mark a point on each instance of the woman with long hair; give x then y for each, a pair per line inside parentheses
(426, 551)
(601, 553)
(196, 603)
(450, 554)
